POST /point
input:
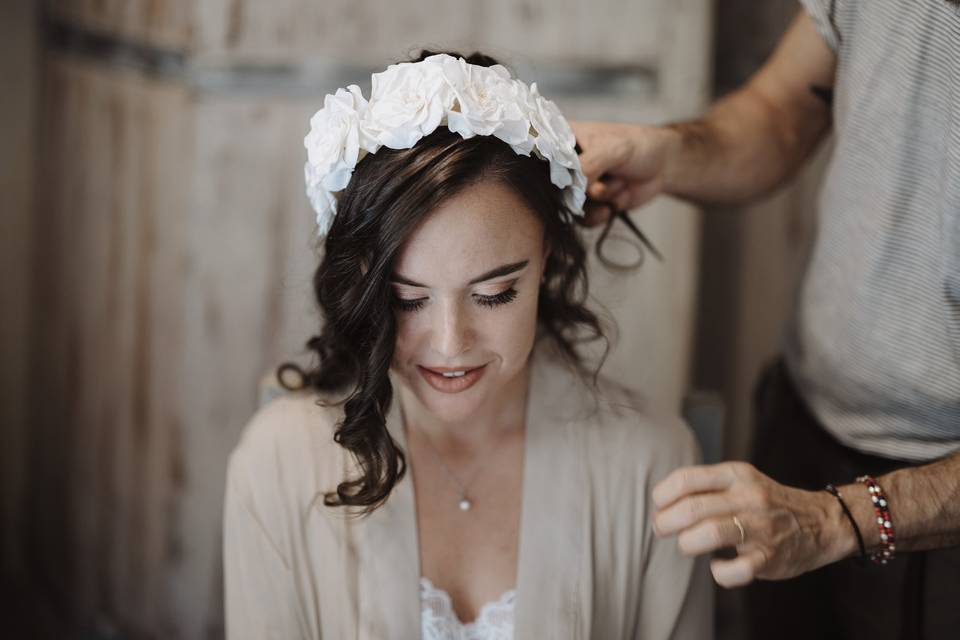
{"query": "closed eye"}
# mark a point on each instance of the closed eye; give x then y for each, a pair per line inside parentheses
(504, 297)
(409, 305)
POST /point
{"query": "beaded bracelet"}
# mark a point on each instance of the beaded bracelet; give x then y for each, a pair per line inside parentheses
(884, 522)
(832, 490)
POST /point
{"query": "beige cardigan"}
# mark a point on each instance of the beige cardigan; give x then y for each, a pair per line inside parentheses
(589, 565)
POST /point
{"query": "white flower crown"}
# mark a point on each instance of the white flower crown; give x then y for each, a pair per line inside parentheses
(410, 100)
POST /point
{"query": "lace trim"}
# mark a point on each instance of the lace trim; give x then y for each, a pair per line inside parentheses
(439, 621)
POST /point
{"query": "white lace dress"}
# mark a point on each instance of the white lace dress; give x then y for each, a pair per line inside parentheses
(438, 621)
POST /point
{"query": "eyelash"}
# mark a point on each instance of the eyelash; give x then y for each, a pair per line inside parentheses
(503, 297)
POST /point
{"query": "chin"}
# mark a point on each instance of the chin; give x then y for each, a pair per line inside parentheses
(451, 407)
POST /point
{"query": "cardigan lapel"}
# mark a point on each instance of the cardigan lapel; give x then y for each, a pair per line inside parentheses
(389, 598)
(552, 596)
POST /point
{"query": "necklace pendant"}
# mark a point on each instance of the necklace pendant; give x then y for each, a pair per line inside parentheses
(465, 504)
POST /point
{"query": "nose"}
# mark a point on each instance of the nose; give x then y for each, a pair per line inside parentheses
(451, 330)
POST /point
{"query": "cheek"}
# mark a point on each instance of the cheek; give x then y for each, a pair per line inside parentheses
(511, 330)
(409, 334)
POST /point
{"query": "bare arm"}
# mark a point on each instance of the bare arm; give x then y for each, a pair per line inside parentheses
(749, 143)
(924, 505)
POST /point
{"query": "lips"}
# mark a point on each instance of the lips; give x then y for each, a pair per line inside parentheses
(435, 378)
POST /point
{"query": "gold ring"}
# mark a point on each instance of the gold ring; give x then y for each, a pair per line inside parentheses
(743, 533)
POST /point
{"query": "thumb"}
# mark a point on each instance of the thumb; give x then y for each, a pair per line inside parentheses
(595, 152)
(597, 159)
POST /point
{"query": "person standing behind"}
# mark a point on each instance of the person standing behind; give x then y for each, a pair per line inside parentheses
(866, 394)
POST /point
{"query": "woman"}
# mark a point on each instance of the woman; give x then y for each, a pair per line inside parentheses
(451, 458)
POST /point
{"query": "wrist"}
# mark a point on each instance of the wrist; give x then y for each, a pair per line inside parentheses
(836, 534)
(670, 143)
(861, 506)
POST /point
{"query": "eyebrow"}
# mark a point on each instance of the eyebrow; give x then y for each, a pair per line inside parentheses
(489, 275)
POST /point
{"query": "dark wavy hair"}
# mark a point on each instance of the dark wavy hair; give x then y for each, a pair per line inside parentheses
(387, 197)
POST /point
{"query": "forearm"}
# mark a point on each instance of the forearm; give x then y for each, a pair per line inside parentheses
(740, 151)
(924, 504)
(757, 138)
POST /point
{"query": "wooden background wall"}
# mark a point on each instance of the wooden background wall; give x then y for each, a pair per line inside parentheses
(17, 120)
(174, 245)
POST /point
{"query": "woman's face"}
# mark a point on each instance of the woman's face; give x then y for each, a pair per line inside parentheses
(465, 287)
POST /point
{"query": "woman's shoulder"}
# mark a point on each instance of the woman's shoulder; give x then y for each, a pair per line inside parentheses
(291, 420)
(626, 420)
(615, 420)
(288, 446)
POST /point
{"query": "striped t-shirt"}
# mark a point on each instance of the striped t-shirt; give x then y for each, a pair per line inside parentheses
(874, 345)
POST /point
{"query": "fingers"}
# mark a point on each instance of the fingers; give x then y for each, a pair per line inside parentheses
(709, 536)
(622, 194)
(596, 162)
(606, 189)
(688, 511)
(688, 480)
(593, 162)
(603, 147)
(616, 173)
(740, 571)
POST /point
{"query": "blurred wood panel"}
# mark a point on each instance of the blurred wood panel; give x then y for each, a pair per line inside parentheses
(166, 24)
(17, 120)
(606, 32)
(179, 251)
(248, 305)
(104, 418)
(654, 307)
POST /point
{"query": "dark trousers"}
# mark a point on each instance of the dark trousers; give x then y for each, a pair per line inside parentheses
(915, 597)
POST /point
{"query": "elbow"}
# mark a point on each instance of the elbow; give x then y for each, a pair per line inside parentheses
(790, 134)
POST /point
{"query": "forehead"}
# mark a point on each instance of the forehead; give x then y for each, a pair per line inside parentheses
(482, 227)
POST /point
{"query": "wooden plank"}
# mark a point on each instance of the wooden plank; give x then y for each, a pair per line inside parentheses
(165, 24)
(685, 55)
(54, 345)
(111, 214)
(606, 33)
(653, 307)
(342, 31)
(17, 119)
(602, 33)
(249, 239)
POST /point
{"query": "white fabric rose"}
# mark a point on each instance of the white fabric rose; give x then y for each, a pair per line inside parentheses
(321, 199)
(556, 143)
(575, 195)
(333, 149)
(408, 101)
(333, 143)
(488, 102)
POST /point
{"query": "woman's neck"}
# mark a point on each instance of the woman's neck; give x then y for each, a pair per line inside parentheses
(505, 411)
